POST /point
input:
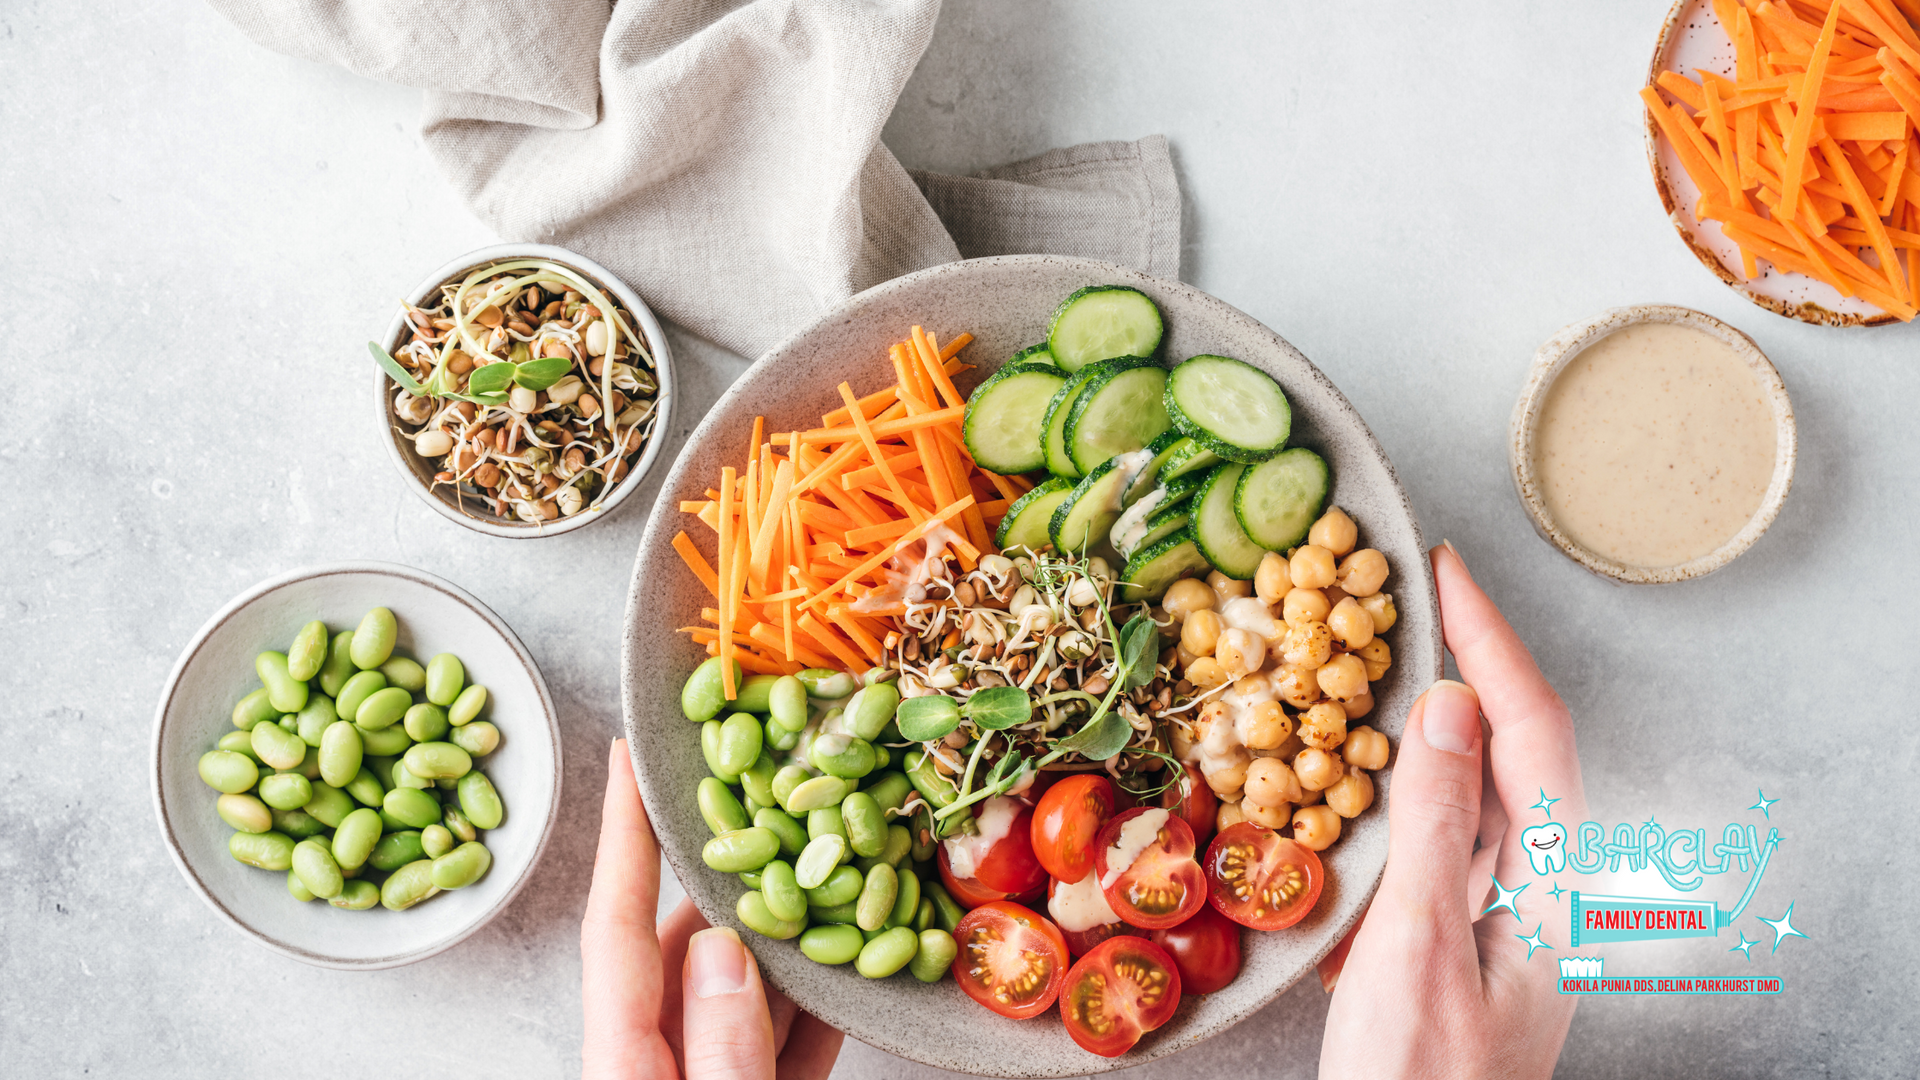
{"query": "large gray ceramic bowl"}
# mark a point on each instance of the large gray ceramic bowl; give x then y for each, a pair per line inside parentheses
(1005, 303)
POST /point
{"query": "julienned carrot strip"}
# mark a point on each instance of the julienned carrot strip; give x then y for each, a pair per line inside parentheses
(833, 642)
(883, 429)
(1864, 206)
(727, 586)
(948, 351)
(873, 534)
(690, 555)
(776, 496)
(874, 562)
(1866, 126)
(1797, 144)
(871, 406)
(1890, 202)
(824, 517)
(930, 357)
(766, 635)
(838, 616)
(1681, 135)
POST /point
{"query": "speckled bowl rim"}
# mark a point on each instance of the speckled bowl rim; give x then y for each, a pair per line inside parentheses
(163, 722)
(1553, 358)
(414, 467)
(1418, 580)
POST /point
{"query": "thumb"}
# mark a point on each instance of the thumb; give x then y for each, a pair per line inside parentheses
(728, 1031)
(1435, 811)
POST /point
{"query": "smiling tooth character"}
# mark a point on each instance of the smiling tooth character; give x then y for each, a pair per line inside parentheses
(1546, 847)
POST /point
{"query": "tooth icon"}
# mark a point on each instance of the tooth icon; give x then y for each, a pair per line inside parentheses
(1546, 847)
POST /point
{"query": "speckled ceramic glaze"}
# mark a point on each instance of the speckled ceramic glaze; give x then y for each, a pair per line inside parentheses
(216, 670)
(419, 470)
(1553, 358)
(1005, 302)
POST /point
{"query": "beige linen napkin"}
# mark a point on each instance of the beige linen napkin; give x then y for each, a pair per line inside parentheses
(722, 157)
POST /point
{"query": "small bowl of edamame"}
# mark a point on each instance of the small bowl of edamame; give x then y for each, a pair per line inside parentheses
(402, 860)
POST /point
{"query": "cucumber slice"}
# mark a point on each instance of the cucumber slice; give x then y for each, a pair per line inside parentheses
(1163, 449)
(1101, 322)
(1028, 519)
(1005, 417)
(1229, 407)
(1149, 573)
(1159, 515)
(1120, 411)
(1032, 354)
(1188, 459)
(1053, 440)
(1278, 500)
(1080, 524)
(1217, 529)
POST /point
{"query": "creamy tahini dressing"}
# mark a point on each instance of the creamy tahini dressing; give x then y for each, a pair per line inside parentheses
(1655, 445)
(1081, 905)
(1133, 521)
(965, 853)
(1135, 837)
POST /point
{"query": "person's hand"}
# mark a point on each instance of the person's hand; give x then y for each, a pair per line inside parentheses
(711, 1017)
(1432, 988)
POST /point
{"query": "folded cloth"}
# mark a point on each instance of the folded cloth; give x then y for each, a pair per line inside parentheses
(722, 156)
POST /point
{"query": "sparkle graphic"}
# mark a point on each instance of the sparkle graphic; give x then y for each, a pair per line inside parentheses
(1556, 892)
(1650, 820)
(1545, 805)
(1783, 928)
(1745, 947)
(1533, 941)
(1764, 805)
(1504, 897)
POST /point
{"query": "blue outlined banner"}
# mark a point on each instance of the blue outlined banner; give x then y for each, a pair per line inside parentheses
(1639, 918)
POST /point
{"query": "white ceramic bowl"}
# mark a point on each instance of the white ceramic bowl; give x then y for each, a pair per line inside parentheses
(419, 470)
(216, 670)
(1553, 358)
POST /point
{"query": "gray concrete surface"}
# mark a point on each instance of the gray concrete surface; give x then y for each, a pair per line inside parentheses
(199, 233)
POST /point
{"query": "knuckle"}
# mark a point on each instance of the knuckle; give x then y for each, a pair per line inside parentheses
(731, 1049)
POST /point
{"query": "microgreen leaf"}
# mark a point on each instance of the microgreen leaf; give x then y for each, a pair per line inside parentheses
(1137, 641)
(1006, 770)
(395, 371)
(1104, 736)
(923, 719)
(542, 373)
(999, 707)
(492, 379)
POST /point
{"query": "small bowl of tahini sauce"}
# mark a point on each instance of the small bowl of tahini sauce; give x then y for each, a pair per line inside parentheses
(1652, 443)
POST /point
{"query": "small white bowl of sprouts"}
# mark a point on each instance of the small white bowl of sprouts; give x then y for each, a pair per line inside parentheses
(522, 387)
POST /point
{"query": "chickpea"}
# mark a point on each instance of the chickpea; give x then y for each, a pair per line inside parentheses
(1316, 769)
(1324, 726)
(1241, 652)
(1186, 596)
(1334, 595)
(1297, 686)
(1316, 827)
(1351, 625)
(1366, 749)
(1268, 725)
(1202, 632)
(1313, 798)
(1335, 531)
(1307, 645)
(1359, 706)
(1343, 678)
(1311, 567)
(1181, 739)
(1226, 588)
(1380, 607)
(1271, 581)
(1350, 794)
(1228, 779)
(1305, 605)
(1363, 572)
(1376, 656)
(1206, 673)
(1270, 817)
(1269, 782)
(1228, 814)
(1185, 658)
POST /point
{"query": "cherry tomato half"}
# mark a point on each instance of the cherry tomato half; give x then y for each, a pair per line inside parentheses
(1010, 865)
(1258, 878)
(1124, 988)
(1194, 801)
(967, 892)
(1011, 960)
(1206, 948)
(1081, 942)
(1066, 822)
(1162, 886)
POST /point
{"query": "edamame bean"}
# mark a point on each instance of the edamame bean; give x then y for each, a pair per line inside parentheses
(446, 676)
(924, 840)
(341, 752)
(338, 667)
(753, 694)
(782, 891)
(356, 691)
(752, 910)
(749, 878)
(373, 639)
(721, 810)
(309, 766)
(244, 812)
(946, 913)
(405, 674)
(906, 903)
(827, 684)
(383, 708)
(837, 915)
(826, 821)
(426, 722)
(287, 693)
(739, 743)
(462, 866)
(866, 826)
(877, 898)
(889, 789)
(925, 917)
(357, 896)
(417, 808)
(313, 863)
(397, 849)
(354, 838)
(436, 840)
(239, 742)
(757, 780)
(899, 845)
(255, 708)
(793, 838)
(297, 823)
(882, 757)
(935, 956)
(366, 788)
(437, 760)
(329, 804)
(226, 771)
(818, 859)
(841, 755)
(308, 652)
(466, 708)
(816, 793)
(710, 749)
(278, 747)
(457, 824)
(779, 739)
(787, 702)
(408, 886)
(286, 791)
(296, 889)
(267, 850)
(290, 722)
(387, 742)
(870, 710)
(311, 722)
(479, 802)
(786, 780)
(481, 738)
(831, 944)
(887, 953)
(742, 849)
(704, 695)
(842, 886)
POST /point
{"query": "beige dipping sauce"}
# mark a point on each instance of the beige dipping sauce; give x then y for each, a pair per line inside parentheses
(1655, 445)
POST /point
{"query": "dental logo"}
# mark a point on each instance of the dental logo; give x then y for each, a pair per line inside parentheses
(1546, 847)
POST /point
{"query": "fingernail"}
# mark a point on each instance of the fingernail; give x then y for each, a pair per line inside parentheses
(1448, 544)
(716, 963)
(1451, 720)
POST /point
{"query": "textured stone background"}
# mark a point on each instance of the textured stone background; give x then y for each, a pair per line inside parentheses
(199, 234)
